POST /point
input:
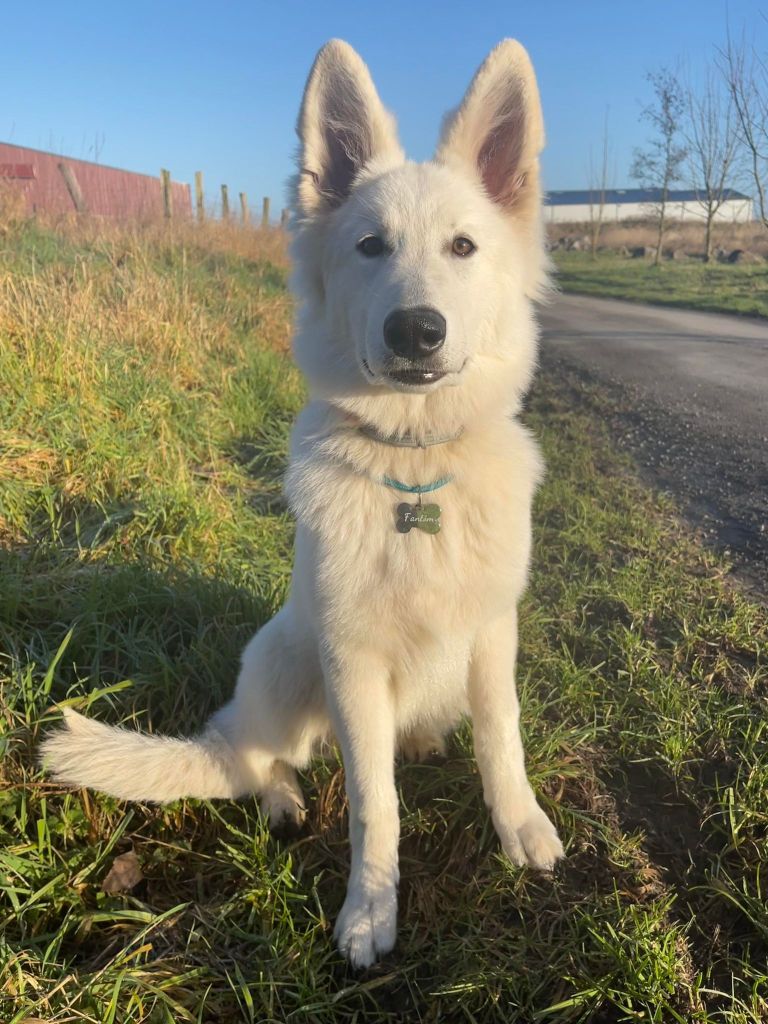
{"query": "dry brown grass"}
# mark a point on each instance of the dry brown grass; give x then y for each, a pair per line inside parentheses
(117, 289)
(11, 207)
(680, 235)
(224, 237)
(87, 302)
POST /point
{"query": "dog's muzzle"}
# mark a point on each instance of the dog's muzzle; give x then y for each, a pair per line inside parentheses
(414, 336)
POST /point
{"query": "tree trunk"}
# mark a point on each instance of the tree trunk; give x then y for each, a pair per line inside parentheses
(596, 237)
(708, 241)
(660, 240)
(761, 204)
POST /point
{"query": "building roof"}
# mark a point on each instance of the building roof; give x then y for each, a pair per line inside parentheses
(584, 197)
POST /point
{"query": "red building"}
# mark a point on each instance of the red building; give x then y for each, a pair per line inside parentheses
(47, 182)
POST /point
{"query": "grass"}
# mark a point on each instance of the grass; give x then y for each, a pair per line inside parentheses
(145, 400)
(726, 288)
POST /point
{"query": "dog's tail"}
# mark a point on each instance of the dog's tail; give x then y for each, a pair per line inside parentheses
(133, 766)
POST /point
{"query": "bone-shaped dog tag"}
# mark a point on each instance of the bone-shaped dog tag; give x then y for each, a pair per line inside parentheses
(418, 517)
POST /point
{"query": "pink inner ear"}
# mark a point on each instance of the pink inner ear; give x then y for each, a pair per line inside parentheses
(501, 154)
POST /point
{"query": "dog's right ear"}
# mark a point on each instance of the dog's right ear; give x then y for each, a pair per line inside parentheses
(342, 127)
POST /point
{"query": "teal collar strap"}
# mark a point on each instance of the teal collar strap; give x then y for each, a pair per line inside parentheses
(387, 481)
(407, 440)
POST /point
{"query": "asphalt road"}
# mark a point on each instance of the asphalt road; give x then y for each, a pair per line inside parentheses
(689, 400)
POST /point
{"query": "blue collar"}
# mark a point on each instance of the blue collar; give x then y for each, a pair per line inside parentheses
(387, 481)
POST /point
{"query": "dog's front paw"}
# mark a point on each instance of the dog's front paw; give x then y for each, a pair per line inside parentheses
(367, 925)
(534, 842)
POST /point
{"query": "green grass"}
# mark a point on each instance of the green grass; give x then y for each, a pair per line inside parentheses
(144, 409)
(726, 288)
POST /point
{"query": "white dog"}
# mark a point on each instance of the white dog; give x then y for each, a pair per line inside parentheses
(410, 480)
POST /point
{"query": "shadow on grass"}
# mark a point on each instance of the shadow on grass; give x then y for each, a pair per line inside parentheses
(175, 634)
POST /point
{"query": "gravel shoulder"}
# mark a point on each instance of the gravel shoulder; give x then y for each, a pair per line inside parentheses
(686, 394)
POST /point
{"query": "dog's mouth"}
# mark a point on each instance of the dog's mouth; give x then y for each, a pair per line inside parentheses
(415, 377)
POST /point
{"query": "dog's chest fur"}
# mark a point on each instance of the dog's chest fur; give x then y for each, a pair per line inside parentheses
(413, 598)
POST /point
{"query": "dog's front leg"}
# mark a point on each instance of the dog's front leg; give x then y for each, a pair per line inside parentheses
(362, 708)
(526, 833)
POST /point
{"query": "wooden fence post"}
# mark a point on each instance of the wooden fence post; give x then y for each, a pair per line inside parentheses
(284, 218)
(73, 187)
(244, 208)
(199, 196)
(224, 202)
(265, 212)
(165, 184)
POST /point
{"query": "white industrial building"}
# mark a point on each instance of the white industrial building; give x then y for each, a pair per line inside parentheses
(579, 207)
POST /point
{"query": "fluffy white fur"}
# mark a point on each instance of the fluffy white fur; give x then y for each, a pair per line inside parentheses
(387, 639)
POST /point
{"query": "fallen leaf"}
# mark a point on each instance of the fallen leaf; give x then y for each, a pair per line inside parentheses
(124, 875)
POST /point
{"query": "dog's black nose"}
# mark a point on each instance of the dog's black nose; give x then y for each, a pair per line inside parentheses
(414, 333)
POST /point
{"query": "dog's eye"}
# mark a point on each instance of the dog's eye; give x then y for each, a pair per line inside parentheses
(463, 246)
(371, 245)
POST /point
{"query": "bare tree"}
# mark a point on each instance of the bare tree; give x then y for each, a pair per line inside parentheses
(598, 186)
(745, 72)
(710, 133)
(660, 165)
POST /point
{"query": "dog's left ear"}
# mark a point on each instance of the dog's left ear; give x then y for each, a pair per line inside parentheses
(498, 129)
(343, 127)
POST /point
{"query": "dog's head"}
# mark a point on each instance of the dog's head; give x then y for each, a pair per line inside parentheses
(414, 279)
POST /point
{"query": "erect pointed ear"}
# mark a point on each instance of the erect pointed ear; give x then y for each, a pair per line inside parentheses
(342, 127)
(498, 130)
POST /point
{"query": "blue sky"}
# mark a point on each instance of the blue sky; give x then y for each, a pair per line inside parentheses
(216, 87)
